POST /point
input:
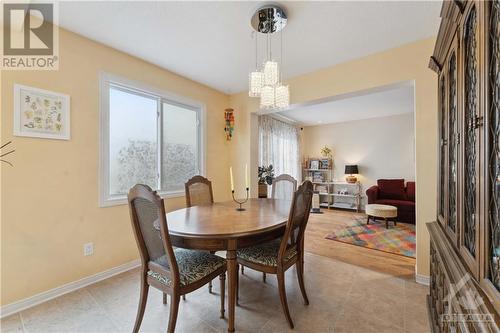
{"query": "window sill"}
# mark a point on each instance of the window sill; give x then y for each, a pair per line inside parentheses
(122, 199)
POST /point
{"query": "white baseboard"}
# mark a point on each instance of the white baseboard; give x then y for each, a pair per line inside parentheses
(29, 302)
(422, 279)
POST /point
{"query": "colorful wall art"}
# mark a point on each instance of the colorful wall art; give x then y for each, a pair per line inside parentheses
(41, 113)
(229, 128)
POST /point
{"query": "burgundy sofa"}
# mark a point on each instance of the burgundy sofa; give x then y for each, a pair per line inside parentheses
(394, 192)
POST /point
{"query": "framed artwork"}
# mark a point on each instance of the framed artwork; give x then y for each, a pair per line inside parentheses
(325, 163)
(314, 165)
(41, 113)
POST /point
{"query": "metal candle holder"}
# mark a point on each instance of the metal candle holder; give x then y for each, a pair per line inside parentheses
(240, 209)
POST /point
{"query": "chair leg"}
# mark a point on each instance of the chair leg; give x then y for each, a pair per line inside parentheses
(242, 268)
(222, 279)
(183, 297)
(164, 298)
(284, 303)
(174, 308)
(142, 305)
(264, 277)
(300, 277)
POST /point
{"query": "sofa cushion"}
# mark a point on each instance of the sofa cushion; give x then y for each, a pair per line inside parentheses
(401, 204)
(391, 189)
(410, 191)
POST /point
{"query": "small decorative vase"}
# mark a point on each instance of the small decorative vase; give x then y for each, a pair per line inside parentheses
(263, 190)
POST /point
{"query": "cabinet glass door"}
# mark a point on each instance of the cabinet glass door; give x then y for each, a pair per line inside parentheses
(469, 219)
(442, 150)
(493, 251)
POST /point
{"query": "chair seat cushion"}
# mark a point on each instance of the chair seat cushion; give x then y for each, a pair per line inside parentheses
(193, 266)
(265, 254)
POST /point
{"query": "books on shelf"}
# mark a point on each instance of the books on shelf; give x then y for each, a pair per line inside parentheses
(322, 188)
(317, 176)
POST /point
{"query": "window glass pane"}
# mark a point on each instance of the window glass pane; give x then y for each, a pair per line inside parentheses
(132, 141)
(180, 146)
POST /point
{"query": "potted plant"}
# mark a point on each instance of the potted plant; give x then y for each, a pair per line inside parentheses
(266, 176)
(326, 152)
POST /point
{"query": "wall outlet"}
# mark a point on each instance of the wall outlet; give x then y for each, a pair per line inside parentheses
(88, 249)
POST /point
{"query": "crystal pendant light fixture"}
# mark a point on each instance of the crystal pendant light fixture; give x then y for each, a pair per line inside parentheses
(255, 83)
(282, 97)
(266, 82)
(267, 97)
(270, 73)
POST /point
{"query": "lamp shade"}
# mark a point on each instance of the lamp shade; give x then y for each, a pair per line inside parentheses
(351, 169)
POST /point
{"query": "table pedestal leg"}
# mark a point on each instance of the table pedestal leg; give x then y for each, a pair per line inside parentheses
(231, 273)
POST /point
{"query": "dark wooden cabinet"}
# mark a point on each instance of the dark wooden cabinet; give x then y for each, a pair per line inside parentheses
(465, 239)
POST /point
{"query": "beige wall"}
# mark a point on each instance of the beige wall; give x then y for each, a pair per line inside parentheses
(49, 199)
(406, 63)
(381, 147)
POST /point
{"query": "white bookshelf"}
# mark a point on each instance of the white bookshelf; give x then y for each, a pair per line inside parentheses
(328, 188)
(332, 199)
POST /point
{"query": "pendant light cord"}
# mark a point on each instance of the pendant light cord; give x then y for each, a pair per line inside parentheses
(281, 51)
(256, 45)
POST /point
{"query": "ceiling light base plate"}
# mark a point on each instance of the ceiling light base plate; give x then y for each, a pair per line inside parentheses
(269, 19)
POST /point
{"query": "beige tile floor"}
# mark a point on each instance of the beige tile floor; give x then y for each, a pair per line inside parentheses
(343, 298)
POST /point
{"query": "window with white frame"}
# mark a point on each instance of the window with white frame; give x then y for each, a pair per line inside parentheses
(147, 137)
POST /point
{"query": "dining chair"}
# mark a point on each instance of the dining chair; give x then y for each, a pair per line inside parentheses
(198, 193)
(173, 271)
(283, 187)
(276, 256)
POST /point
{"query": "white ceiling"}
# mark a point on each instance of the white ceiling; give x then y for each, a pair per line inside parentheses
(210, 42)
(380, 102)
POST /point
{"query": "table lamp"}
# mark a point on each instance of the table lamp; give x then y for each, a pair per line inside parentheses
(351, 170)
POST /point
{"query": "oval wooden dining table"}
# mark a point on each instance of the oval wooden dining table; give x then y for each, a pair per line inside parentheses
(220, 227)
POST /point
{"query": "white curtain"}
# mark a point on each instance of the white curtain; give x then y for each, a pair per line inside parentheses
(279, 145)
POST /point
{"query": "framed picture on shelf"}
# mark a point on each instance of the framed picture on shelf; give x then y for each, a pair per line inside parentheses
(314, 164)
(41, 113)
(325, 163)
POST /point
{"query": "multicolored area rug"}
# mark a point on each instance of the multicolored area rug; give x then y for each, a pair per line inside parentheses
(398, 239)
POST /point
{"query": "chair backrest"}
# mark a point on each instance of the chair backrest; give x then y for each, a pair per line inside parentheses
(283, 187)
(149, 224)
(199, 191)
(297, 219)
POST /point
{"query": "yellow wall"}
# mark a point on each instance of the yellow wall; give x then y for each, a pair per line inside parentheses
(408, 62)
(49, 199)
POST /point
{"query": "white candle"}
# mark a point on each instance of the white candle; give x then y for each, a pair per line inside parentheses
(231, 175)
(246, 175)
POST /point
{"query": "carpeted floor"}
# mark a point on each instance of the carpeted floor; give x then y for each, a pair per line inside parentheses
(398, 239)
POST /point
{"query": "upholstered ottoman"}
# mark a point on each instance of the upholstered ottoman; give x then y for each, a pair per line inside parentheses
(385, 212)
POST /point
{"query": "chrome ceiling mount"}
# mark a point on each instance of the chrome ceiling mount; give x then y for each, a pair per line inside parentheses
(269, 19)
